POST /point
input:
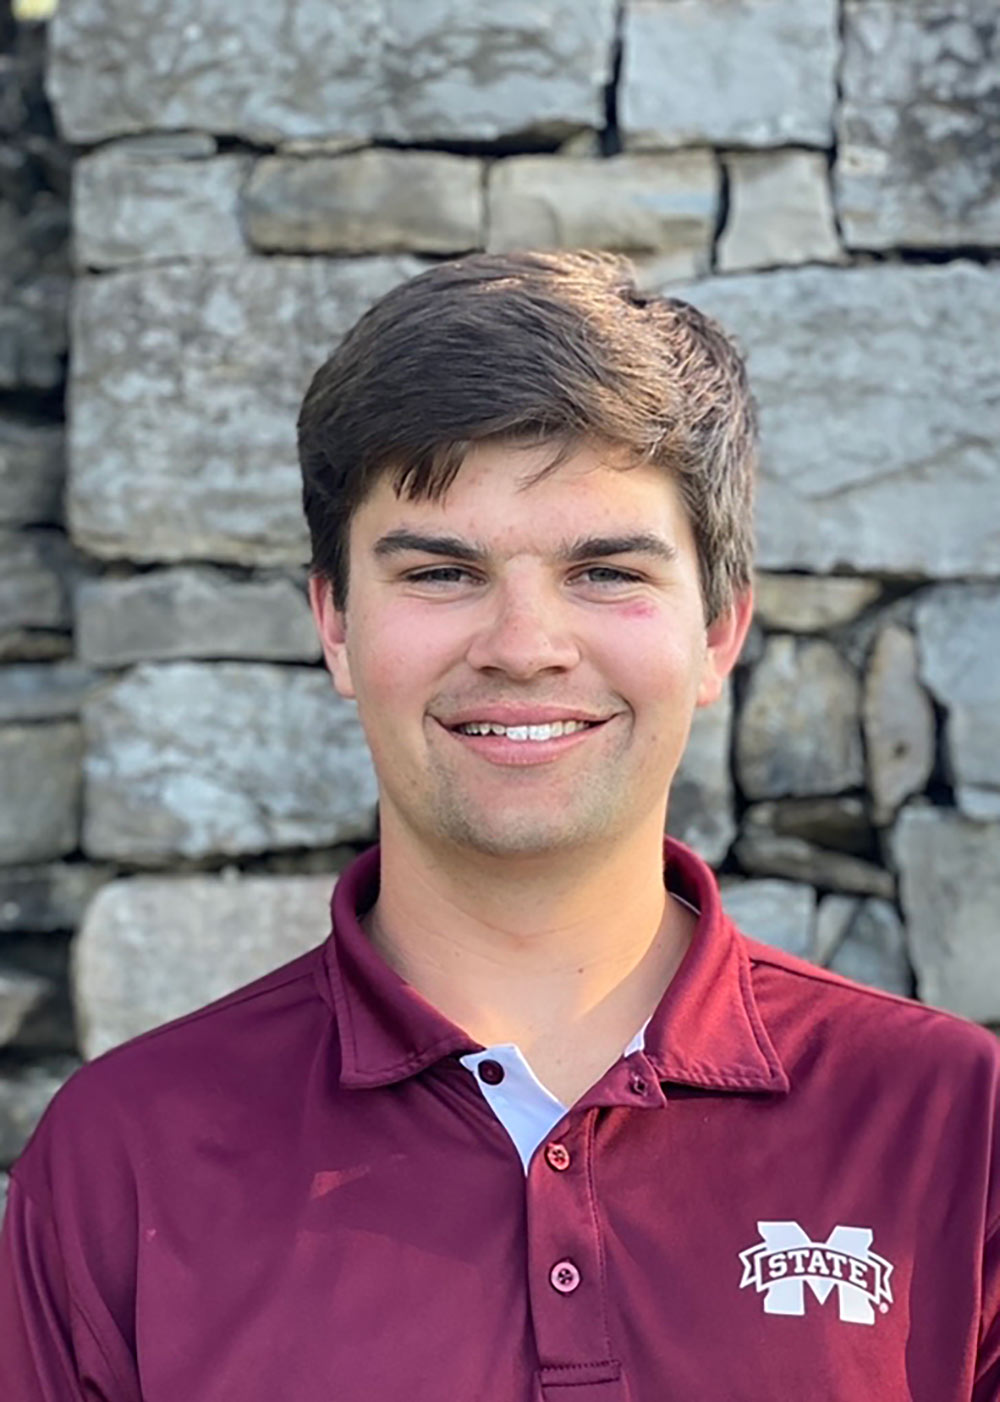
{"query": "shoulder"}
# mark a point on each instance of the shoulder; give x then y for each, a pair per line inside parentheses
(241, 1049)
(885, 1074)
(253, 1021)
(807, 1009)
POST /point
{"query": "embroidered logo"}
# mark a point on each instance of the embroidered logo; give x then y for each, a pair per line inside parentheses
(786, 1261)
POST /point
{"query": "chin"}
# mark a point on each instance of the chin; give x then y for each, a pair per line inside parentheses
(520, 837)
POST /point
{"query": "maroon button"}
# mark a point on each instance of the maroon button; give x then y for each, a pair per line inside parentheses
(557, 1156)
(564, 1277)
(637, 1085)
(491, 1072)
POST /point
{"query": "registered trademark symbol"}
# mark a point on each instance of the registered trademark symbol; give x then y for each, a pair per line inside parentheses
(883, 1309)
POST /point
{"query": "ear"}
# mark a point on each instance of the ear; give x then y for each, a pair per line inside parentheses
(331, 625)
(724, 639)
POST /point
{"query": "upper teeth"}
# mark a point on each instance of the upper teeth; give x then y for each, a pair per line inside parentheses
(524, 732)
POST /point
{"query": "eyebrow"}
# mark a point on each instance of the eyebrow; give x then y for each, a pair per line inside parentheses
(572, 553)
(637, 543)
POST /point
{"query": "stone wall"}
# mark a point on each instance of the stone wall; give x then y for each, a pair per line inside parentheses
(179, 781)
(42, 895)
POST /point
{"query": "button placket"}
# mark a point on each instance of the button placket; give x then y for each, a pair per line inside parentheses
(569, 1311)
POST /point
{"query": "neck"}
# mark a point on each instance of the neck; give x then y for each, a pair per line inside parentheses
(565, 955)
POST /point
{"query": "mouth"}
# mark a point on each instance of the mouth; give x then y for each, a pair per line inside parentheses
(523, 744)
(521, 734)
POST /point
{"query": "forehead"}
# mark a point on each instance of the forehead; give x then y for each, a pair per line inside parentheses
(504, 490)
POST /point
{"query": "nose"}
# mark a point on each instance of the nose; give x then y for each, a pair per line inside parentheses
(524, 631)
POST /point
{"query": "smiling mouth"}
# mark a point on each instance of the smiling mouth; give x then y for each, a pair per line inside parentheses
(552, 730)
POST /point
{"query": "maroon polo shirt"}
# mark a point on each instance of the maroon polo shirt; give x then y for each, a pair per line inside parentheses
(298, 1194)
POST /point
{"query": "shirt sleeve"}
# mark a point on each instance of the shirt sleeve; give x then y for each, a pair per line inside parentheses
(48, 1353)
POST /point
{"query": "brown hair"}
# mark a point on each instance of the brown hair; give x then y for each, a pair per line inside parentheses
(556, 347)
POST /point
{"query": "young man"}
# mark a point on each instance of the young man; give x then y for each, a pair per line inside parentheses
(536, 1124)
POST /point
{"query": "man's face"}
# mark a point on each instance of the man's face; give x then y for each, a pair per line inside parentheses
(526, 659)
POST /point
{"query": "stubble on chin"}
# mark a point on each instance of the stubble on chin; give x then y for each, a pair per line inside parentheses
(541, 824)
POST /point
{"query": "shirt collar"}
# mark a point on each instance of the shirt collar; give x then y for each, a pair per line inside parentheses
(706, 1031)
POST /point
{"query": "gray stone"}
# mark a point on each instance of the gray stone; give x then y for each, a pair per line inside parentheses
(958, 632)
(39, 691)
(48, 1026)
(872, 949)
(192, 612)
(732, 73)
(24, 1096)
(41, 899)
(33, 332)
(898, 723)
(188, 759)
(22, 62)
(129, 208)
(32, 468)
(840, 823)
(793, 857)
(153, 949)
(34, 222)
(798, 730)
(753, 646)
(169, 145)
(34, 285)
(34, 265)
(950, 886)
(314, 861)
(33, 580)
(366, 202)
(805, 603)
(321, 145)
(34, 645)
(833, 920)
(662, 205)
(583, 143)
(20, 994)
(980, 802)
(196, 373)
(40, 770)
(409, 72)
(782, 913)
(780, 211)
(700, 811)
(919, 147)
(35, 171)
(867, 464)
(859, 641)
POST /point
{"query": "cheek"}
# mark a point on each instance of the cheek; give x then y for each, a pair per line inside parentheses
(645, 637)
(397, 655)
(655, 662)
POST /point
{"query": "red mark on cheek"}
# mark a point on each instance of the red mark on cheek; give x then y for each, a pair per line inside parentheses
(638, 608)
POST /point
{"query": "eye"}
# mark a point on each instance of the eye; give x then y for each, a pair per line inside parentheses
(440, 574)
(608, 574)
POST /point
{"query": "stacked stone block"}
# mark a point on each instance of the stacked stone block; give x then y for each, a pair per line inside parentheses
(824, 178)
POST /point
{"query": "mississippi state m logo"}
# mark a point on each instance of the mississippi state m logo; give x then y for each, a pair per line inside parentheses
(786, 1261)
